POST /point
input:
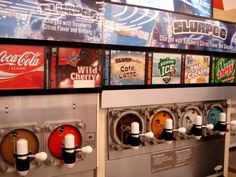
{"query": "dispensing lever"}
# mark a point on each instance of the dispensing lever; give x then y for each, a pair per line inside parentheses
(70, 149)
(221, 125)
(134, 138)
(85, 149)
(168, 132)
(22, 157)
(149, 134)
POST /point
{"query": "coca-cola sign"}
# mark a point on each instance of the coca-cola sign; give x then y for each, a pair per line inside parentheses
(21, 67)
(24, 59)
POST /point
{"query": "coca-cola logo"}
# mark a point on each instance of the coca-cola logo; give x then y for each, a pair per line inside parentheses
(24, 59)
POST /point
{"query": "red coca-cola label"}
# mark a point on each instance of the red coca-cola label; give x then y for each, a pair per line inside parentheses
(21, 67)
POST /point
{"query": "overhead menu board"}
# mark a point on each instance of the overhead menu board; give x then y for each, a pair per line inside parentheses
(62, 20)
(126, 25)
(194, 7)
(92, 21)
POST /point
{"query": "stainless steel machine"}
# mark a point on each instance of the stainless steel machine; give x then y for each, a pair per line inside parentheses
(196, 152)
(49, 135)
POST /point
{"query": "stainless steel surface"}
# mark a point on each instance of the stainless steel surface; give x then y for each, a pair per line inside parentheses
(124, 98)
(204, 155)
(36, 112)
(208, 155)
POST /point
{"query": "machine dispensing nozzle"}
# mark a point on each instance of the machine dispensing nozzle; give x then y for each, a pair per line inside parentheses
(134, 138)
(70, 149)
(221, 125)
(22, 157)
(168, 131)
(196, 129)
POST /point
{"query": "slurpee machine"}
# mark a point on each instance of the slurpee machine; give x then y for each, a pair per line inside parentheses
(185, 138)
(48, 135)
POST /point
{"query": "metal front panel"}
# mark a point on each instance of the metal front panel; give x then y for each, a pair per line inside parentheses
(185, 156)
(140, 97)
(78, 110)
(207, 156)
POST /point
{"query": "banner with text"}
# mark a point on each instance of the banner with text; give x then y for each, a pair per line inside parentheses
(62, 20)
(152, 28)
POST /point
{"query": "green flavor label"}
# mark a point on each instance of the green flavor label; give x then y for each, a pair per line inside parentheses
(167, 69)
(224, 70)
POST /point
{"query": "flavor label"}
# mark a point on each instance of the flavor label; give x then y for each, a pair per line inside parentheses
(127, 68)
(196, 69)
(172, 159)
(224, 71)
(166, 68)
(21, 67)
(79, 68)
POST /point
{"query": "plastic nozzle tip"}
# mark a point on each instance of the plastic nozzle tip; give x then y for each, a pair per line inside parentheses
(222, 117)
(22, 147)
(198, 120)
(71, 165)
(135, 128)
(169, 124)
(69, 141)
(23, 173)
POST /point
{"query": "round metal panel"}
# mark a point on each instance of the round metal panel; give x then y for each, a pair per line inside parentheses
(56, 139)
(188, 117)
(213, 114)
(158, 121)
(8, 144)
(122, 126)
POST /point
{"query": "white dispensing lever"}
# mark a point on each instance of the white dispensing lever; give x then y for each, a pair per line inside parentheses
(22, 157)
(168, 132)
(70, 149)
(135, 135)
(196, 129)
